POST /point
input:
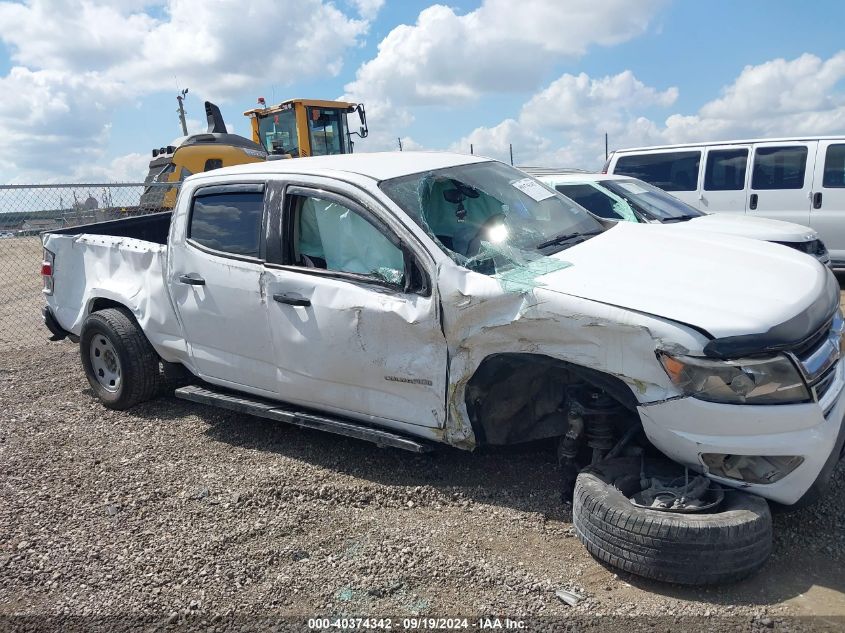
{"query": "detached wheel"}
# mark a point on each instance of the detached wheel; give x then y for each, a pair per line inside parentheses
(729, 539)
(119, 362)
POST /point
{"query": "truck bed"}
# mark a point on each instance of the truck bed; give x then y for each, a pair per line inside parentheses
(119, 262)
(153, 227)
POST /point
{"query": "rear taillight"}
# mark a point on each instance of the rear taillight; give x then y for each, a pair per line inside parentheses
(47, 271)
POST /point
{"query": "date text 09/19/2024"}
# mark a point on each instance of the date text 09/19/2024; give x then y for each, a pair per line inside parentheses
(417, 624)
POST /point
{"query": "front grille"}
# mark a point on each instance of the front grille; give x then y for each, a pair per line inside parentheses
(824, 383)
(817, 357)
(810, 344)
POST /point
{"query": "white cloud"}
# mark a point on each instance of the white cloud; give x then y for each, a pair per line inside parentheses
(576, 108)
(503, 46)
(51, 121)
(217, 47)
(776, 98)
(220, 47)
(367, 9)
(577, 101)
(72, 35)
(564, 124)
(76, 61)
(131, 167)
(496, 141)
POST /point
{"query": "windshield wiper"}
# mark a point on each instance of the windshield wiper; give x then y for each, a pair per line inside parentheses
(564, 238)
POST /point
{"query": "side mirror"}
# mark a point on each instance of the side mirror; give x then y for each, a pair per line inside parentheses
(363, 131)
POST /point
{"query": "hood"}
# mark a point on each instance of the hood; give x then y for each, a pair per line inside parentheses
(743, 225)
(727, 286)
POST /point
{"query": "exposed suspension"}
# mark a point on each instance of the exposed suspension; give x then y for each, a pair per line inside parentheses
(590, 418)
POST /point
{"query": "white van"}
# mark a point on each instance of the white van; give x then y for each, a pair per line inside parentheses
(800, 180)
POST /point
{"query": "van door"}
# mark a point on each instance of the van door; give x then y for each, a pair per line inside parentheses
(827, 213)
(781, 181)
(725, 178)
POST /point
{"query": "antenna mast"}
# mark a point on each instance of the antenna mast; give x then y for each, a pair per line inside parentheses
(181, 99)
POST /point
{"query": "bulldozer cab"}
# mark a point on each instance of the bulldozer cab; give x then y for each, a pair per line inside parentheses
(306, 127)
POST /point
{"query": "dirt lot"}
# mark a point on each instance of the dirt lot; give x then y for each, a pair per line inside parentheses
(179, 513)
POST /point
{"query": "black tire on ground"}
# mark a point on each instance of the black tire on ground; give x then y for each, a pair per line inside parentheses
(726, 545)
(138, 361)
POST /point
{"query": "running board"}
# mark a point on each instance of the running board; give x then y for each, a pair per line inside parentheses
(275, 411)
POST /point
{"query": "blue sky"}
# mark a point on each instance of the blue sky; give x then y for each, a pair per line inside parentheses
(548, 76)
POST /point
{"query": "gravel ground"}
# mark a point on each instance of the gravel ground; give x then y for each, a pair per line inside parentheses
(176, 508)
(181, 513)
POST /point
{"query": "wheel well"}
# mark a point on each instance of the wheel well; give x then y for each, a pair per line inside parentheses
(101, 303)
(518, 397)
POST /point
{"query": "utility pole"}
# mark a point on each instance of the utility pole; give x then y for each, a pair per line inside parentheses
(471, 151)
(511, 148)
(605, 145)
(399, 138)
(181, 100)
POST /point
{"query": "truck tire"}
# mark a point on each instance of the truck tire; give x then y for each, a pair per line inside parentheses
(119, 362)
(723, 545)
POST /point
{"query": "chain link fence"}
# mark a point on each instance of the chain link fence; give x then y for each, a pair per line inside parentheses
(28, 210)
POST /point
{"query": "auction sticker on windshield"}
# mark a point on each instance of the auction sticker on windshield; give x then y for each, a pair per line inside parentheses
(533, 189)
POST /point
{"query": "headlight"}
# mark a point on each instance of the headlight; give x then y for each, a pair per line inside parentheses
(773, 380)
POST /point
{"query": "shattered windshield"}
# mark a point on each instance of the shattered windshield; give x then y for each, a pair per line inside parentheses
(489, 216)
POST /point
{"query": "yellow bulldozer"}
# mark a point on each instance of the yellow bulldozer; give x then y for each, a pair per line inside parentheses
(293, 128)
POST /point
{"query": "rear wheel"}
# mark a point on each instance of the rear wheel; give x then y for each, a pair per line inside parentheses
(119, 362)
(729, 539)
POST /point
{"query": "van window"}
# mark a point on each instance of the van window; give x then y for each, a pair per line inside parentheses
(725, 170)
(671, 171)
(779, 167)
(228, 222)
(834, 166)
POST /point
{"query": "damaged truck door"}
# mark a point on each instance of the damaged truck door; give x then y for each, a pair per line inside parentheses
(351, 308)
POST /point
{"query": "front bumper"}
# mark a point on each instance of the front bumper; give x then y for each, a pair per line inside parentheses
(686, 428)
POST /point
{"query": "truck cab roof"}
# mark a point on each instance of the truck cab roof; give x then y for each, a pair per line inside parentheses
(376, 165)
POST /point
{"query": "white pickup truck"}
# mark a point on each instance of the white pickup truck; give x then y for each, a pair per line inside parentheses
(419, 298)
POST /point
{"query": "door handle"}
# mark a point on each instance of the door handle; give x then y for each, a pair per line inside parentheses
(817, 200)
(192, 279)
(293, 299)
(752, 201)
